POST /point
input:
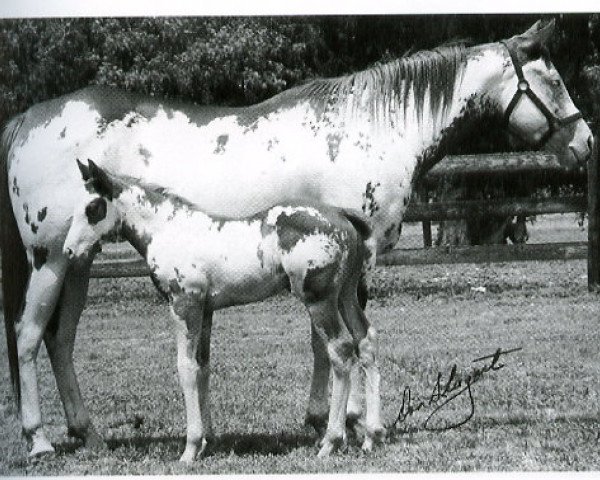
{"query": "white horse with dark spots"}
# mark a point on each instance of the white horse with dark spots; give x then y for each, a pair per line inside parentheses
(203, 264)
(360, 141)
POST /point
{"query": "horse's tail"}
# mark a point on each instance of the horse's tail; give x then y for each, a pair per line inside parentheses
(15, 268)
(359, 222)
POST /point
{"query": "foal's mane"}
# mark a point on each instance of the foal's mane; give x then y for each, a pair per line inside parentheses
(155, 194)
(380, 86)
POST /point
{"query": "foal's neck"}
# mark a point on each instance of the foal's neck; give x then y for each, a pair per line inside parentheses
(146, 213)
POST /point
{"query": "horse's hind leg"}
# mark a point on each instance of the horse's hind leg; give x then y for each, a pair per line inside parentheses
(187, 313)
(41, 297)
(60, 341)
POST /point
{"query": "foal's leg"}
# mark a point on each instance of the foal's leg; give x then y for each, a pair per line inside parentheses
(330, 327)
(318, 406)
(60, 340)
(356, 393)
(187, 312)
(318, 402)
(40, 301)
(364, 335)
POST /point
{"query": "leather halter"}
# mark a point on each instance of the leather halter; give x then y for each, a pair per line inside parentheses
(523, 88)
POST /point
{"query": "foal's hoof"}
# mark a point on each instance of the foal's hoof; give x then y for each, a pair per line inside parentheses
(373, 437)
(40, 447)
(355, 426)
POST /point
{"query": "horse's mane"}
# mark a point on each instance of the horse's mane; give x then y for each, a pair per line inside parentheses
(378, 87)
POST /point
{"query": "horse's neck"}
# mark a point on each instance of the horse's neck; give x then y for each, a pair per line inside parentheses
(474, 120)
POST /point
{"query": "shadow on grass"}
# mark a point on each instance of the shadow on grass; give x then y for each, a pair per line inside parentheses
(239, 444)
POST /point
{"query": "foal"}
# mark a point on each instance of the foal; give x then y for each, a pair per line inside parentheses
(201, 264)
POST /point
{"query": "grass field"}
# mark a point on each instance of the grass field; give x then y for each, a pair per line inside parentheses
(540, 412)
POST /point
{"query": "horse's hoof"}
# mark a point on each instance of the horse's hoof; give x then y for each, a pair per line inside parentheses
(318, 422)
(193, 451)
(329, 445)
(94, 442)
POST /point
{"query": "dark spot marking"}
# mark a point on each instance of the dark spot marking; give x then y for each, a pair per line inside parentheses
(132, 121)
(370, 205)
(40, 255)
(41, 215)
(318, 284)
(389, 230)
(145, 153)
(15, 187)
(221, 142)
(333, 145)
(139, 240)
(178, 275)
(63, 133)
(175, 288)
(26, 209)
(260, 256)
(34, 228)
(95, 211)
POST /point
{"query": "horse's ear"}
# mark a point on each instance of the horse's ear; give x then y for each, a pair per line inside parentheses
(533, 43)
(85, 171)
(540, 32)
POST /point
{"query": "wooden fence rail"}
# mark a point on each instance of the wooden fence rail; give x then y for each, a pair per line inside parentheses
(496, 164)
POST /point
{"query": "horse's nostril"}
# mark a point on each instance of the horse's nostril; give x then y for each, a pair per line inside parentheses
(69, 252)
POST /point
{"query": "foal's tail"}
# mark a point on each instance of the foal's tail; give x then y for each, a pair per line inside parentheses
(15, 268)
(359, 222)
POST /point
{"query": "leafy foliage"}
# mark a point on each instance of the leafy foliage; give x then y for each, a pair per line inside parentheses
(241, 60)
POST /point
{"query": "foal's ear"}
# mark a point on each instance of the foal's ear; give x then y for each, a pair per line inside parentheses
(85, 171)
(100, 180)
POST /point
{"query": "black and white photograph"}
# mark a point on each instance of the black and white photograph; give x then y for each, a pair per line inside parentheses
(299, 243)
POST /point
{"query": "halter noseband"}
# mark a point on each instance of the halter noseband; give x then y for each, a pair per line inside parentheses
(523, 88)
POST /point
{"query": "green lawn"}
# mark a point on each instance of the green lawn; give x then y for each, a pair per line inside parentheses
(540, 412)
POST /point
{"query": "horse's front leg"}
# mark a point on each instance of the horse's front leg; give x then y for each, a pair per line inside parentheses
(203, 358)
(187, 311)
(60, 341)
(42, 295)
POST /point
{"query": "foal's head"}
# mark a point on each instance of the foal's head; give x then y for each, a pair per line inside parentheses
(96, 216)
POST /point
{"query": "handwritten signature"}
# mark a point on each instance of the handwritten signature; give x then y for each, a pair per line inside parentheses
(444, 392)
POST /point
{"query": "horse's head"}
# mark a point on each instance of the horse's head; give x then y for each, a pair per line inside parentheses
(538, 110)
(96, 216)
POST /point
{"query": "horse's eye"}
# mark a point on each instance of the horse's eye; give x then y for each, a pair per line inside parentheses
(96, 211)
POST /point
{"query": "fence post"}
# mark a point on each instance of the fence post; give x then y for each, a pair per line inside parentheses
(594, 220)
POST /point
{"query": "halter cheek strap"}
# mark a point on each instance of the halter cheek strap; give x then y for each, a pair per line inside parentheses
(523, 88)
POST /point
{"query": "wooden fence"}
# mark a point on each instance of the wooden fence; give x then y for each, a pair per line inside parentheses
(533, 166)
